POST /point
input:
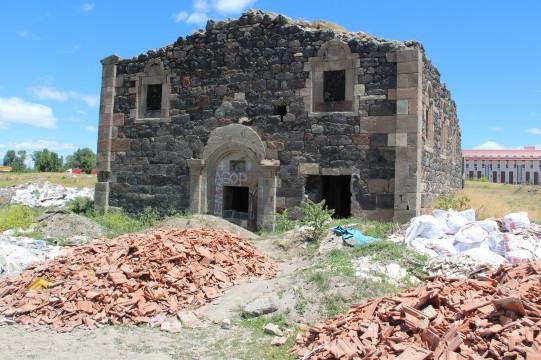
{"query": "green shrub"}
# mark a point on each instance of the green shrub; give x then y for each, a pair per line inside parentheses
(149, 216)
(119, 222)
(81, 205)
(316, 216)
(455, 202)
(16, 216)
(284, 222)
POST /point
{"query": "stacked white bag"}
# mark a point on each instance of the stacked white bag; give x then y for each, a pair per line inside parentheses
(448, 233)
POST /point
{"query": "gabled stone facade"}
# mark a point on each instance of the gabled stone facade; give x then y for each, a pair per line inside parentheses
(248, 116)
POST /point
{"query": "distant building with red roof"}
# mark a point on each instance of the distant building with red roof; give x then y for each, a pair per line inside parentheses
(517, 166)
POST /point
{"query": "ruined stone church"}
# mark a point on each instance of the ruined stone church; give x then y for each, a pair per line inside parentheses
(249, 116)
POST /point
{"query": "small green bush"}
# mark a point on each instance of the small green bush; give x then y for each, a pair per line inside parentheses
(455, 202)
(16, 216)
(81, 205)
(284, 222)
(317, 217)
(119, 222)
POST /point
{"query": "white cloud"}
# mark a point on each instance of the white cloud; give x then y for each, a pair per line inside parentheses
(489, 145)
(18, 111)
(231, 6)
(201, 6)
(536, 131)
(202, 9)
(496, 129)
(91, 128)
(88, 7)
(50, 93)
(197, 18)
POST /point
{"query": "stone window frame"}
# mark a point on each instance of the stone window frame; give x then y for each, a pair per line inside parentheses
(334, 55)
(154, 73)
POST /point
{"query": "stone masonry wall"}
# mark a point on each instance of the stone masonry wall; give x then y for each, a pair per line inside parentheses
(441, 158)
(238, 71)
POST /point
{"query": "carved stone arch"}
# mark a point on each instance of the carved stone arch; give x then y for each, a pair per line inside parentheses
(212, 174)
(335, 64)
(154, 67)
(334, 50)
(234, 135)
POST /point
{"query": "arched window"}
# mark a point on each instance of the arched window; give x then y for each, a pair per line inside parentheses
(153, 92)
(333, 75)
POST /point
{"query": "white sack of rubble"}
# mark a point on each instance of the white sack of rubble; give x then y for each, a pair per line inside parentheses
(516, 222)
(490, 226)
(17, 253)
(424, 226)
(47, 195)
(469, 237)
(503, 243)
(519, 256)
(452, 221)
(485, 256)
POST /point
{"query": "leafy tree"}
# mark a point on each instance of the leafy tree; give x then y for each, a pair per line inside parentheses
(46, 160)
(83, 159)
(9, 157)
(19, 164)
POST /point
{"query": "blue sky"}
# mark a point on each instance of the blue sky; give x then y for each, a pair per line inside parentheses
(488, 53)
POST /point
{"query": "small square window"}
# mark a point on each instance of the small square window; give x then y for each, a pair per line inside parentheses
(154, 97)
(334, 86)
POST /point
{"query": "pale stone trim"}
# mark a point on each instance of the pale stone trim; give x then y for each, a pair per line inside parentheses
(154, 73)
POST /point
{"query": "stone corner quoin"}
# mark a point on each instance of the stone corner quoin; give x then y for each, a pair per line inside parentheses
(249, 116)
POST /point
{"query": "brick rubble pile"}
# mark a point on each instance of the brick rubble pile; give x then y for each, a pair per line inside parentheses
(496, 316)
(130, 279)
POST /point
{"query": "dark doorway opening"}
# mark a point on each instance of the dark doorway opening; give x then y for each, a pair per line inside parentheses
(334, 189)
(236, 198)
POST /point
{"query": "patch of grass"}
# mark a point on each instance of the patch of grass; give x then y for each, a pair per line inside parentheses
(65, 179)
(386, 252)
(261, 348)
(118, 223)
(16, 216)
(373, 228)
(335, 304)
(302, 304)
(497, 200)
(321, 279)
(339, 263)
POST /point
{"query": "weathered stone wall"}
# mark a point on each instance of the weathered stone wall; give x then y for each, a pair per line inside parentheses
(238, 71)
(442, 155)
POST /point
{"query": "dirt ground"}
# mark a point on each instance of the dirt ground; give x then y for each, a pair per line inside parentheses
(116, 343)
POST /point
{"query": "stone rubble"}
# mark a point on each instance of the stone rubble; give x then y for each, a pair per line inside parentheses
(495, 316)
(44, 195)
(131, 279)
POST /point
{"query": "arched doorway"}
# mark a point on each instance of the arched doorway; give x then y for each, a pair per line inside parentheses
(233, 179)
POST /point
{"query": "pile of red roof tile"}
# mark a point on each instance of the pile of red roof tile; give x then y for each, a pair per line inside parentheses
(130, 279)
(495, 317)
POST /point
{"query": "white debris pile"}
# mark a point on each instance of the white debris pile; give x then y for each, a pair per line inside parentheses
(460, 245)
(366, 268)
(18, 252)
(44, 195)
